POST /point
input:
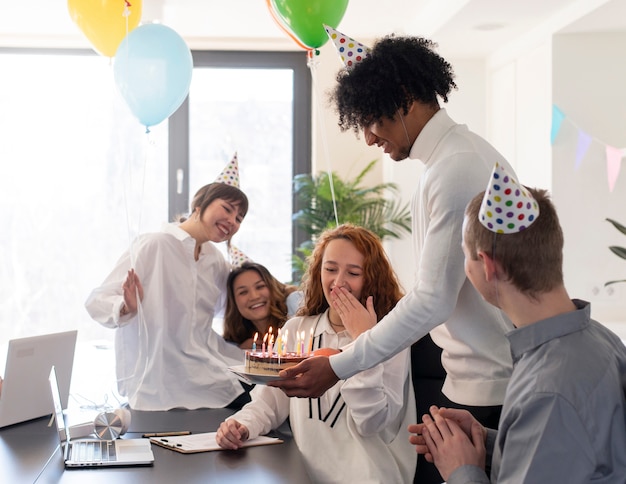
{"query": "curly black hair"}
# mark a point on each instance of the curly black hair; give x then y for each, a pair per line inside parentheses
(397, 71)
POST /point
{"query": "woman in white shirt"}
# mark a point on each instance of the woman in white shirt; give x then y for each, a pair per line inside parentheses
(167, 354)
(357, 430)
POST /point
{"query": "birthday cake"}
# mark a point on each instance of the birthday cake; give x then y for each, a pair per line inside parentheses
(260, 363)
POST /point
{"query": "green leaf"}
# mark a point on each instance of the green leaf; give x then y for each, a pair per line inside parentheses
(377, 207)
(617, 225)
(618, 251)
(613, 282)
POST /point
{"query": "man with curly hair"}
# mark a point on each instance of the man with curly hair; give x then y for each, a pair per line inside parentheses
(392, 96)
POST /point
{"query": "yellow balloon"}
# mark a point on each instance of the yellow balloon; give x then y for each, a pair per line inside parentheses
(105, 23)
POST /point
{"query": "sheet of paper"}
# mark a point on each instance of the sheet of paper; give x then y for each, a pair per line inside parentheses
(205, 442)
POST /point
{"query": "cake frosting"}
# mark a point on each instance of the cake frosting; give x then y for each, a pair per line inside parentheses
(260, 363)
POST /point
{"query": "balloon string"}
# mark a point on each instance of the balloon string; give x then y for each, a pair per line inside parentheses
(312, 63)
(142, 353)
(141, 320)
(282, 27)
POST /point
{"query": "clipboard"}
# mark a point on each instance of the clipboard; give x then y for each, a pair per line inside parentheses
(205, 442)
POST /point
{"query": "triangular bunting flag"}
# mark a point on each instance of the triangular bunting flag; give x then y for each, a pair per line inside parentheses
(613, 164)
(557, 120)
(584, 141)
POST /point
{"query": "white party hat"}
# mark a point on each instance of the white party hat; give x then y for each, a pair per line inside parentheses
(350, 51)
(230, 174)
(236, 256)
(507, 207)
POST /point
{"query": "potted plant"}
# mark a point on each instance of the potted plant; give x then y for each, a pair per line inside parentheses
(617, 250)
(377, 208)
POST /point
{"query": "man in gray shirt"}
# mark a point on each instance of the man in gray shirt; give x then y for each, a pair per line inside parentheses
(564, 413)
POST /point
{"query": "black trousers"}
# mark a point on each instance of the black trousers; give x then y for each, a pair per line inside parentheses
(428, 377)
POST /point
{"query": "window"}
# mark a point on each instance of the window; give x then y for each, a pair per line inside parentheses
(81, 179)
(248, 102)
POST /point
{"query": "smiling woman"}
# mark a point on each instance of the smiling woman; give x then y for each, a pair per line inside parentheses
(256, 301)
(167, 354)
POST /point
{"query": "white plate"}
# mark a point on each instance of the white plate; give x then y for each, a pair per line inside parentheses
(240, 371)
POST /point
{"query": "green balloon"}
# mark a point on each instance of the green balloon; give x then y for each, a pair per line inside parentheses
(306, 18)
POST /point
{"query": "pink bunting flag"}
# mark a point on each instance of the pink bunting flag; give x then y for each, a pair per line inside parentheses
(584, 141)
(613, 164)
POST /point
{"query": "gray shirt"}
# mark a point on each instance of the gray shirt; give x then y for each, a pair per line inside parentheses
(564, 414)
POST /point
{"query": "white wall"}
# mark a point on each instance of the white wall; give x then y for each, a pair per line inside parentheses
(519, 114)
(588, 79)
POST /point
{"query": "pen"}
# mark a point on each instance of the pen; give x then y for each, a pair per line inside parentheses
(166, 434)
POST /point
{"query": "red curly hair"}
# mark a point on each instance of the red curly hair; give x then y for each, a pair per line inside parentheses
(379, 278)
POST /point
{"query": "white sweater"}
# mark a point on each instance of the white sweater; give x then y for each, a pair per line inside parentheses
(470, 331)
(357, 430)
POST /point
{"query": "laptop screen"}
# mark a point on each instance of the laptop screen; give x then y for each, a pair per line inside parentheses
(25, 393)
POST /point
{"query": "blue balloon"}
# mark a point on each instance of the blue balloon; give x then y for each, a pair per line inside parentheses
(152, 70)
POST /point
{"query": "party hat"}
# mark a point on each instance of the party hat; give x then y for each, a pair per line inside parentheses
(350, 51)
(230, 174)
(236, 256)
(507, 207)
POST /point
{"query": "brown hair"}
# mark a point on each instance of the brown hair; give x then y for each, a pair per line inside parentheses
(208, 193)
(237, 328)
(379, 279)
(531, 259)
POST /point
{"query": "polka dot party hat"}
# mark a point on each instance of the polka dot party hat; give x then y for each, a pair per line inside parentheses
(230, 174)
(350, 51)
(507, 207)
(236, 256)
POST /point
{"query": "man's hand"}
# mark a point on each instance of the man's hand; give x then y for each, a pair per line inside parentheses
(310, 378)
(356, 318)
(462, 418)
(449, 444)
(417, 439)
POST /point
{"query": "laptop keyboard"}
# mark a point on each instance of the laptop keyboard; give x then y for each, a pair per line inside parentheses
(93, 451)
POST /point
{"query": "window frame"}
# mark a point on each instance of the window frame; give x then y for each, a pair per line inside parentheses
(301, 114)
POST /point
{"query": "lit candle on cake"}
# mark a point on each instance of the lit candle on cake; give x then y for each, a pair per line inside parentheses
(279, 343)
(302, 343)
(263, 347)
(310, 346)
(297, 343)
(256, 335)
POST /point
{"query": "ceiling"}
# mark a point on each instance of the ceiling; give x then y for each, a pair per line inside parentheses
(462, 28)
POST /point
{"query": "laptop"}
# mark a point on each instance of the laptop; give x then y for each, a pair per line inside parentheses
(95, 452)
(25, 390)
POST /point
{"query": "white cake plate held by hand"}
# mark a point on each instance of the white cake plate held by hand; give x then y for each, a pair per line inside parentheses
(240, 371)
